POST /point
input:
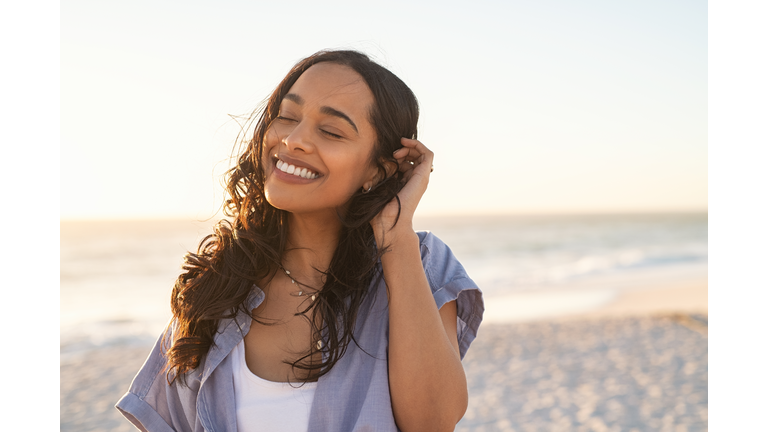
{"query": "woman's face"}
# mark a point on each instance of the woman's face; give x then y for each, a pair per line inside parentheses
(318, 150)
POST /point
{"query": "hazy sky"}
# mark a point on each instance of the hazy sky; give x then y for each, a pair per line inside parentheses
(535, 106)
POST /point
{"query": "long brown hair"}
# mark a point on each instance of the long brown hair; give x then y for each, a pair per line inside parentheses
(218, 278)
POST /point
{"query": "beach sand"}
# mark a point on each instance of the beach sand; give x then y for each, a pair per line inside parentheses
(635, 363)
(607, 374)
(93, 382)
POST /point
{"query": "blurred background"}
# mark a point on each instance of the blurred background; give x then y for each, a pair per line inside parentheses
(570, 179)
(535, 107)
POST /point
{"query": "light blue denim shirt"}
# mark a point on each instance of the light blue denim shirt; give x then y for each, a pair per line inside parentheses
(353, 396)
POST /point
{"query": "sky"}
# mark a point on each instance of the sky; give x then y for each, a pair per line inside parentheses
(530, 107)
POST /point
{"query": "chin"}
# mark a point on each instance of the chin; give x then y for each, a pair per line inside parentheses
(279, 201)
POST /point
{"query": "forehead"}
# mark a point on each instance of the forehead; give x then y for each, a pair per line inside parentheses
(336, 86)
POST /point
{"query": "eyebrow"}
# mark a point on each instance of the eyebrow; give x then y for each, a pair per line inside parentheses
(325, 110)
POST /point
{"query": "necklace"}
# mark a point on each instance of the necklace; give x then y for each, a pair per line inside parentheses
(300, 292)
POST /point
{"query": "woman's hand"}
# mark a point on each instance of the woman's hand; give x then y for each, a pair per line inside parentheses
(414, 159)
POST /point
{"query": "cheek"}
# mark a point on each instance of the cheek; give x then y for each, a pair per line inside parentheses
(270, 138)
(268, 147)
(353, 168)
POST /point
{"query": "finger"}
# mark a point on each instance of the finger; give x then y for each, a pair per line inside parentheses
(413, 143)
(425, 158)
(405, 165)
(409, 141)
(400, 152)
(411, 168)
(416, 163)
(414, 147)
(413, 154)
(417, 154)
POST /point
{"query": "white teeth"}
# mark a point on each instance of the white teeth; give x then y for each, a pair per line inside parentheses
(291, 169)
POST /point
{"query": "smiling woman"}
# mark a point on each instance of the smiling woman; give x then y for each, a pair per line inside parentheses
(318, 307)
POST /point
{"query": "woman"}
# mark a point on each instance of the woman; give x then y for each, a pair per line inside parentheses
(318, 307)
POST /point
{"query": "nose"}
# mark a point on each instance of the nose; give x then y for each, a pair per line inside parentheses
(300, 138)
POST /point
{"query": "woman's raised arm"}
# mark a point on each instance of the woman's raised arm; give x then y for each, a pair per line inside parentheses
(426, 378)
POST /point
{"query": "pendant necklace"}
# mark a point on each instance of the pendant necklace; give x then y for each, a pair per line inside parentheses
(300, 292)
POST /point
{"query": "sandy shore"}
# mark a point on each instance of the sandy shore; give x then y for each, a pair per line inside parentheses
(91, 384)
(689, 297)
(608, 374)
(637, 362)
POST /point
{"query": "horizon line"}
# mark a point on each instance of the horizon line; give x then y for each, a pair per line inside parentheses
(429, 214)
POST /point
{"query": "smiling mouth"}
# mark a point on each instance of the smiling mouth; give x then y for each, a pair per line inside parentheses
(298, 172)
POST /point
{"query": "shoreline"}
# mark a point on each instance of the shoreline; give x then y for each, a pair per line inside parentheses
(689, 297)
(649, 294)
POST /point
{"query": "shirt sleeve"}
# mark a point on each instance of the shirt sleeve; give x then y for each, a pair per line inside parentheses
(449, 281)
(151, 404)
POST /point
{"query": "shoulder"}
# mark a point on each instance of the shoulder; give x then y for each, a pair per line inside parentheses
(427, 238)
(449, 281)
(431, 244)
(439, 262)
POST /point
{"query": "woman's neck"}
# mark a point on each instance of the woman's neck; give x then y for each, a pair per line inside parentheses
(312, 241)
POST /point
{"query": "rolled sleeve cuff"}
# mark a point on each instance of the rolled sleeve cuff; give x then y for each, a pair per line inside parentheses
(469, 308)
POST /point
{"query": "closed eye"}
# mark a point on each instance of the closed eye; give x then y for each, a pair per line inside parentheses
(284, 118)
(330, 134)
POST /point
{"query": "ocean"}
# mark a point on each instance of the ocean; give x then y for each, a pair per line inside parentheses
(116, 276)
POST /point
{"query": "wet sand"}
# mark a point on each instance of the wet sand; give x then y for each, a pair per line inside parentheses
(638, 363)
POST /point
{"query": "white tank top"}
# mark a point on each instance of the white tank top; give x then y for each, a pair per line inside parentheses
(267, 405)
